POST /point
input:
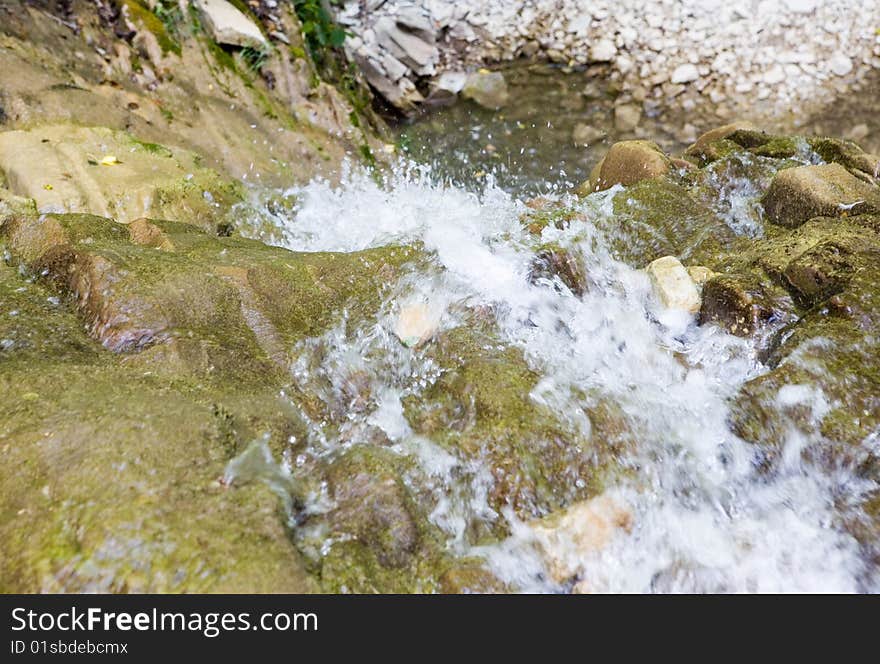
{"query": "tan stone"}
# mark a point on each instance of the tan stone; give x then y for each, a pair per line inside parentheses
(141, 231)
(416, 324)
(700, 274)
(566, 538)
(673, 285)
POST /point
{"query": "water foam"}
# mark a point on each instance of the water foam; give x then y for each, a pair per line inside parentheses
(704, 518)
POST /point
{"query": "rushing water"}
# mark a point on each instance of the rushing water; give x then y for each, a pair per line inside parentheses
(703, 517)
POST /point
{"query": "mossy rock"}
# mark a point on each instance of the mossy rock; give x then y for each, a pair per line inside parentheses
(481, 408)
(659, 217)
(116, 485)
(218, 304)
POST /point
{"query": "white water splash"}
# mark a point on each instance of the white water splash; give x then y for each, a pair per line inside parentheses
(704, 519)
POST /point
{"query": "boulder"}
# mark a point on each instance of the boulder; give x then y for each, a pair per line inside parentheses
(229, 25)
(156, 283)
(415, 48)
(673, 286)
(551, 263)
(628, 162)
(372, 505)
(742, 304)
(487, 88)
(799, 194)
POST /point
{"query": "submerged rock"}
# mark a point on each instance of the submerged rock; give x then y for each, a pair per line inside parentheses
(557, 263)
(416, 324)
(567, 538)
(487, 88)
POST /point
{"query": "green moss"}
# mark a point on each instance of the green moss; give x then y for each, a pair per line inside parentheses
(140, 13)
(153, 148)
(659, 217)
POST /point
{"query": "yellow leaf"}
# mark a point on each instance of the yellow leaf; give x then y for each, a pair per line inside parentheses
(109, 160)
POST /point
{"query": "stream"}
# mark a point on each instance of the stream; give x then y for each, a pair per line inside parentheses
(701, 515)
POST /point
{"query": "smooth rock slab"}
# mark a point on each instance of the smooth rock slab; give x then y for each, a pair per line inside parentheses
(98, 171)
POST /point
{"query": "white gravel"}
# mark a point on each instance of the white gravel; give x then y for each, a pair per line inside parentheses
(754, 56)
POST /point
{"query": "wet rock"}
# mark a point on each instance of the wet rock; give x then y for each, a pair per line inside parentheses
(143, 232)
(120, 493)
(164, 283)
(373, 505)
(741, 304)
(110, 174)
(673, 285)
(488, 89)
(471, 578)
(228, 25)
(480, 408)
(850, 155)
(628, 162)
(445, 88)
(566, 538)
(820, 272)
(553, 263)
(700, 275)
(799, 194)
(416, 323)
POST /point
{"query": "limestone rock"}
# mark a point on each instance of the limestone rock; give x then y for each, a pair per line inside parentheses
(673, 285)
(628, 162)
(685, 73)
(99, 171)
(700, 274)
(228, 25)
(603, 50)
(702, 145)
(487, 88)
(799, 194)
(416, 49)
